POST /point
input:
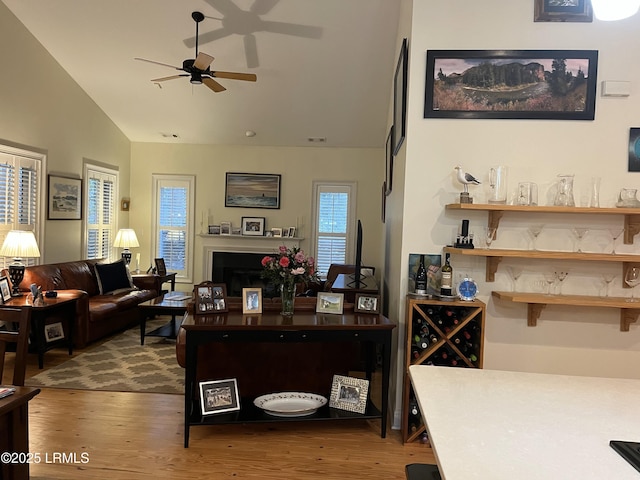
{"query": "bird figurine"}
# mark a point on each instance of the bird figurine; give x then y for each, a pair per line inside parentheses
(466, 179)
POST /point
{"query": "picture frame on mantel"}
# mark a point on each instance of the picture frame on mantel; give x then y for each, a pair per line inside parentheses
(65, 198)
(524, 84)
(562, 11)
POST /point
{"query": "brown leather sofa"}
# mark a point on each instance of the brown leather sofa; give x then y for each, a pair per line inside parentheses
(97, 315)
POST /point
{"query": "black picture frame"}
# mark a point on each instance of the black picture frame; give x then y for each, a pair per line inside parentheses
(400, 98)
(253, 226)
(554, 11)
(389, 161)
(634, 149)
(252, 190)
(161, 268)
(453, 78)
(219, 396)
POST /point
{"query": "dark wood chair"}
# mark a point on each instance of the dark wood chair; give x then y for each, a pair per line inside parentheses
(20, 319)
(336, 269)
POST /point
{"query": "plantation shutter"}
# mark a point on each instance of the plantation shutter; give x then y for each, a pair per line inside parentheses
(173, 222)
(333, 217)
(20, 186)
(100, 223)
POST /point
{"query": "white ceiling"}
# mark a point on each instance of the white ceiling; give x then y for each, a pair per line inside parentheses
(324, 67)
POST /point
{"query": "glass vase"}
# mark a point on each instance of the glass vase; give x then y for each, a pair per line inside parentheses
(288, 297)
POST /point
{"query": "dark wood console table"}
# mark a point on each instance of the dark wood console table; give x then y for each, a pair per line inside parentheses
(367, 330)
(14, 420)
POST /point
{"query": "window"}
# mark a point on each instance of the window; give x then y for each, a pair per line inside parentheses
(334, 217)
(21, 187)
(100, 223)
(173, 214)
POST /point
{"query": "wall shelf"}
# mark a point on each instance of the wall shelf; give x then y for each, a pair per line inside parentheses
(536, 302)
(496, 211)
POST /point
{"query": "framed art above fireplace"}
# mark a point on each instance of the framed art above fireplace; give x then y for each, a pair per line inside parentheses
(252, 190)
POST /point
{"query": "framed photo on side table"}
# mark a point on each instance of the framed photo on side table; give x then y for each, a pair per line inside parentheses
(53, 332)
(220, 297)
(349, 393)
(219, 396)
(367, 303)
(161, 269)
(65, 198)
(5, 290)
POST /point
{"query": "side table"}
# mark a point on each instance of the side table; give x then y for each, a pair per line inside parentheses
(161, 306)
(61, 308)
(167, 277)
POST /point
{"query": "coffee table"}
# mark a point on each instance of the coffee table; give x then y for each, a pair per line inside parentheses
(161, 306)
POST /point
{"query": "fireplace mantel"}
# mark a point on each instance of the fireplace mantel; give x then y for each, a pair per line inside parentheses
(240, 244)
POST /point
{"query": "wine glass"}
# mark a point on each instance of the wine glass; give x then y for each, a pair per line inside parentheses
(615, 233)
(535, 231)
(561, 276)
(550, 278)
(607, 278)
(580, 233)
(489, 235)
(632, 278)
(514, 273)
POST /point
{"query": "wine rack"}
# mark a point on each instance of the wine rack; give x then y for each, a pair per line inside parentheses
(442, 333)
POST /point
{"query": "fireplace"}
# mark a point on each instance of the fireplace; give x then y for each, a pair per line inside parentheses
(239, 270)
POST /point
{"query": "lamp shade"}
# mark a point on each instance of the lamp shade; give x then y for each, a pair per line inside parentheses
(126, 238)
(609, 10)
(19, 244)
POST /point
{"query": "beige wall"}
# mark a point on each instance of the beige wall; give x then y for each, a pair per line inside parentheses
(299, 167)
(567, 340)
(42, 109)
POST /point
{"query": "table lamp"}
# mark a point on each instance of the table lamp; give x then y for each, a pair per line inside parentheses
(18, 244)
(126, 238)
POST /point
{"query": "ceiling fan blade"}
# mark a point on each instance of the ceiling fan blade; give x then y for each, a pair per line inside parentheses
(207, 37)
(262, 7)
(203, 61)
(251, 51)
(212, 84)
(163, 79)
(249, 77)
(157, 63)
(306, 31)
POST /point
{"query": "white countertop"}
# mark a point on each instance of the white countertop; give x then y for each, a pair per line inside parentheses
(495, 425)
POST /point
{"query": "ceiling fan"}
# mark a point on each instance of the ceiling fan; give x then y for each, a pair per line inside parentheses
(199, 70)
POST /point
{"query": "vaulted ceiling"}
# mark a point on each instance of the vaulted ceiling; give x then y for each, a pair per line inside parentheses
(324, 67)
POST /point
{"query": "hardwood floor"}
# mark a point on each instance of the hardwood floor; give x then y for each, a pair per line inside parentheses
(134, 436)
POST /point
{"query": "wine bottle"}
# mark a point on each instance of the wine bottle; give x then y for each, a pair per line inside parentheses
(421, 278)
(447, 275)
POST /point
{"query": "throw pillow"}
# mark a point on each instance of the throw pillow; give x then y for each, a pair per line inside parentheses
(113, 277)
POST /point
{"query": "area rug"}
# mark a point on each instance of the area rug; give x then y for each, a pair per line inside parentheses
(121, 365)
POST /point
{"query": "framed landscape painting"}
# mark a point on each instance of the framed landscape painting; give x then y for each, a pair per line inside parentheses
(511, 84)
(65, 200)
(252, 190)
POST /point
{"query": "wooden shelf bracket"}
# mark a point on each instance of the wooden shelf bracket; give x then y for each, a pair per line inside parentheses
(631, 228)
(627, 317)
(533, 313)
(492, 268)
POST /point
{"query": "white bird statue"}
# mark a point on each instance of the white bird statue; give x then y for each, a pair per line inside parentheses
(466, 179)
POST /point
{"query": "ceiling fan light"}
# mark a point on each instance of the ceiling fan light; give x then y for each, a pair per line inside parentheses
(610, 10)
(196, 79)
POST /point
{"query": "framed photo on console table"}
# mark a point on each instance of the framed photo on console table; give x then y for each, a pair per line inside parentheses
(511, 84)
(367, 303)
(349, 393)
(219, 291)
(251, 300)
(205, 300)
(219, 396)
(5, 290)
(161, 269)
